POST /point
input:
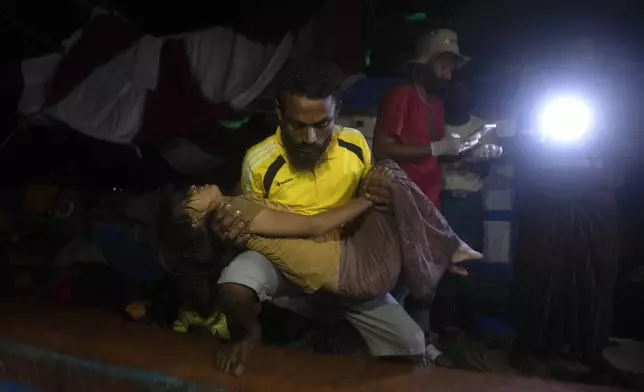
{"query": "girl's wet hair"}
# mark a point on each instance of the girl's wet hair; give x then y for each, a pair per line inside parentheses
(189, 247)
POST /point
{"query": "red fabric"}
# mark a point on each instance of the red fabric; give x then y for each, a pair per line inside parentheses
(177, 108)
(102, 40)
(404, 114)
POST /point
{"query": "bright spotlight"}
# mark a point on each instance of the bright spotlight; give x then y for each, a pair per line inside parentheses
(565, 119)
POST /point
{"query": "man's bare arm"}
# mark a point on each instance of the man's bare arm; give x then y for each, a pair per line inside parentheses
(288, 224)
(387, 146)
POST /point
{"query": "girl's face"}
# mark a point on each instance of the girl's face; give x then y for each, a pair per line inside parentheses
(202, 200)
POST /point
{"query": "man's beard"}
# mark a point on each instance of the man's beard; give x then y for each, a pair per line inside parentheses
(434, 85)
(304, 156)
(424, 76)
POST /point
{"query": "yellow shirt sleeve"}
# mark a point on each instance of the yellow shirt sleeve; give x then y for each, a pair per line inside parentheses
(356, 138)
(251, 182)
(366, 153)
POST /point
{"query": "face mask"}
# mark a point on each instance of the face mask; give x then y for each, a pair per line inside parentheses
(432, 84)
(435, 85)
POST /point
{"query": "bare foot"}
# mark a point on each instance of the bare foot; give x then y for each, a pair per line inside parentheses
(465, 252)
(232, 357)
(457, 270)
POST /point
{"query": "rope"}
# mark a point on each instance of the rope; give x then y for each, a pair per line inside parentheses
(8, 138)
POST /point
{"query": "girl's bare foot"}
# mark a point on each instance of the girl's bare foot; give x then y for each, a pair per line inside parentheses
(457, 270)
(465, 252)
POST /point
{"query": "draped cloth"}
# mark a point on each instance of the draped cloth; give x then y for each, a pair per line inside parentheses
(565, 272)
(414, 246)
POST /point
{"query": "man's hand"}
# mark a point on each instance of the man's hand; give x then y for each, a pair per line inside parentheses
(376, 187)
(485, 152)
(228, 225)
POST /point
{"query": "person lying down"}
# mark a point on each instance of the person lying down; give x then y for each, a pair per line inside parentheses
(352, 250)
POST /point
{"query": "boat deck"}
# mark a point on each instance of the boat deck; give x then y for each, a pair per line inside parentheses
(87, 350)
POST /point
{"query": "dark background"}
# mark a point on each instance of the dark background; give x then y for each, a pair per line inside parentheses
(498, 34)
(491, 28)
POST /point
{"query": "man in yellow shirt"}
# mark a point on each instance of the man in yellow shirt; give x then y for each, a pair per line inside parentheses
(309, 165)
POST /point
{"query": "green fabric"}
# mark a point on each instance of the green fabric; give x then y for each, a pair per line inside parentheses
(234, 124)
(418, 16)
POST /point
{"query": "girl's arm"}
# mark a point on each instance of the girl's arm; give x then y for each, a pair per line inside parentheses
(289, 224)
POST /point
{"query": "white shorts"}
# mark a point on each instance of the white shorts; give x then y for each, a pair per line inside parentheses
(383, 323)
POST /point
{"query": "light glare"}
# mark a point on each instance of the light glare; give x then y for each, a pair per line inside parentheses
(565, 119)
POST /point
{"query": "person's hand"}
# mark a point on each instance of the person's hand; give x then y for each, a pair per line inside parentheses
(377, 188)
(450, 145)
(485, 152)
(227, 223)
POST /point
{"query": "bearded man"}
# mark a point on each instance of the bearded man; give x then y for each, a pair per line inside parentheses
(309, 165)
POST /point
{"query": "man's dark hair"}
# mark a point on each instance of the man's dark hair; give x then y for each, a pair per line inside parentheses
(188, 249)
(310, 78)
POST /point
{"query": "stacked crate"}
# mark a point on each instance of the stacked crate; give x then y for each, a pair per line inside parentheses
(498, 193)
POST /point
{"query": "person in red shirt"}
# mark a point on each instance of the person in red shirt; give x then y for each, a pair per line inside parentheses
(411, 119)
(411, 131)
